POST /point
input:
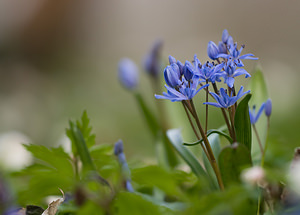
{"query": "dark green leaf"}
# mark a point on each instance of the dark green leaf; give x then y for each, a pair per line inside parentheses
(175, 138)
(232, 160)
(242, 123)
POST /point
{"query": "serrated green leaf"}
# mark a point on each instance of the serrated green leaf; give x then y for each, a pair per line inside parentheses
(86, 129)
(175, 138)
(242, 123)
(232, 160)
(81, 147)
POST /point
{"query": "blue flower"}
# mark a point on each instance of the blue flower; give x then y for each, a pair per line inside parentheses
(268, 108)
(225, 36)
(209, 71)
(128, 73)
(185, 91)
(172, 75)
(230, 72)
(234, 55)
(222, 48)
(225, 101)
(255, 116)
(152, 63)
(212, 50)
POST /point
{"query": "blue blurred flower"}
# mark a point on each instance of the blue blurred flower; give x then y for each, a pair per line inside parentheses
(152, 62)
(268, 108)
(118, 151)
(224, 100)
(225, 36)
(128, 73)
(230, 72)
(255, 116)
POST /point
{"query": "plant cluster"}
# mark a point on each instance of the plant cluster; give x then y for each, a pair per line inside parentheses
(233, 174)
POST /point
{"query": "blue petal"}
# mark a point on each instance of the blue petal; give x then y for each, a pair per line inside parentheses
(241, 71)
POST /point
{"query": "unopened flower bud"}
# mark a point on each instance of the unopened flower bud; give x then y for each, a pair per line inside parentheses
(268, 108)
(225, 36)
(188, 71)
(171, 75)
(128, 73)
(212, 50)
(222, 48)
(172, 59)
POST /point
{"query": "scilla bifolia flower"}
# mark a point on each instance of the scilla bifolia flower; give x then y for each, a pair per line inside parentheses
(128, 73)
(180, 87)
(119, 152)
(224, 100)
(255, 116)
(212, 50)
(268, 108)
(230, 72)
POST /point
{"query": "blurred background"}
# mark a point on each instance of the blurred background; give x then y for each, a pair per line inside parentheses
(58, 58)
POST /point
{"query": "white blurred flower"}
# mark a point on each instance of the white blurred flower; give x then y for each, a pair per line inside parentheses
(13, 155)
(254, 176)
(294, 177)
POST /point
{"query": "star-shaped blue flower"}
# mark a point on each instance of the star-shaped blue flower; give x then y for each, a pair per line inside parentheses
(255, 116)
(234, 55)
(230, 71)
(224, 100)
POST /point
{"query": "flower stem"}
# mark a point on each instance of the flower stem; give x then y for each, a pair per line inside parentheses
(208, 148)
(266, 144)
(194, 129)
(206, 109)
(258, 139)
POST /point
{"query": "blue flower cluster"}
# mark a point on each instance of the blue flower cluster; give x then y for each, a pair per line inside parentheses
(183, 80)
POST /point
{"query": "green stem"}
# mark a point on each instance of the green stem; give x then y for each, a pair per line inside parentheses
(206, 109)
(258, 139)
(231, 115)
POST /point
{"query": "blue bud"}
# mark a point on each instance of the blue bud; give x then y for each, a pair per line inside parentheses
(172, 59)
(152, 62)
(171, 75)
(118, 147)
(225, 36)
(222, 48)
(230, 41)
(128, 73)
(181, 66)
(212, 50)
(188, 71)
(268, 108)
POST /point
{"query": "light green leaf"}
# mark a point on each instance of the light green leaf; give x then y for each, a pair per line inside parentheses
(175, 138)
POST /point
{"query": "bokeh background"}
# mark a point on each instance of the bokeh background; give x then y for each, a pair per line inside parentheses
(58, 58)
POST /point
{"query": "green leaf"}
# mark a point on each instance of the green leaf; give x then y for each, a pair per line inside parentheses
(155, 176)
(242, 123)
(175, 138)
(130, 203)
(232, 160)
(209, 132)
(81, 147)
(214, 141)
(86, 129)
